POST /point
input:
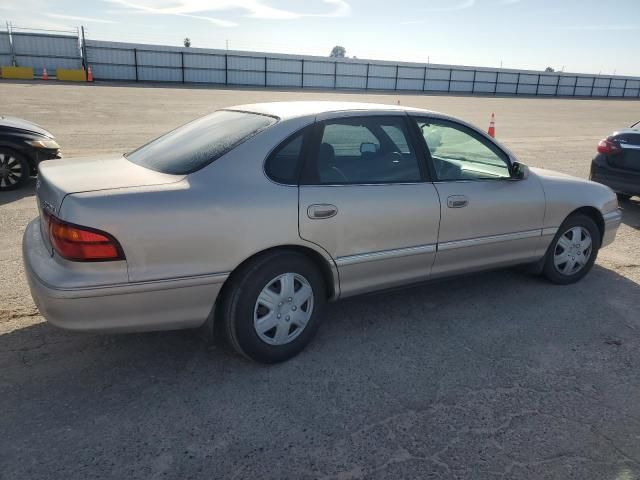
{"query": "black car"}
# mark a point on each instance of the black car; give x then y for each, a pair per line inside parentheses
(617, 163)
(23, 145)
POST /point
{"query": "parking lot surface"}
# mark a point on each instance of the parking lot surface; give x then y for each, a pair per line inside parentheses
(495, 375)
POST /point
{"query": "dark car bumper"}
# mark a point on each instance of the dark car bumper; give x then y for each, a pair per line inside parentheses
(620, 181)
(41, 154)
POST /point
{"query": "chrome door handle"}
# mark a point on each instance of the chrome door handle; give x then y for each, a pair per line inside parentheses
(321, 210)
(457, 201)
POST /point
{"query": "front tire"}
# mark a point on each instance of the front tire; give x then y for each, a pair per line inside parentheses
(573, 250)
(273, 306)
(14, 170)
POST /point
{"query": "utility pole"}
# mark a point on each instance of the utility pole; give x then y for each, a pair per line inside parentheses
(83, 49)
(227, 44)
(13, 53)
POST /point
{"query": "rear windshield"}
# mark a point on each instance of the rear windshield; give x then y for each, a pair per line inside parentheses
(198, 143)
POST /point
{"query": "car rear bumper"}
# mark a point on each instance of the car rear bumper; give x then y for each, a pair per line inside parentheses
(612, 221)
(129, 307)
(620, 182)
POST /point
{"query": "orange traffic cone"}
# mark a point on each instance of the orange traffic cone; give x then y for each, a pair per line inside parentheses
(492, 126)
(89, 75)
(45, 75)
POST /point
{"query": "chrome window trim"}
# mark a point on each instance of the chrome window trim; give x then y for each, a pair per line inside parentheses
(384, 255)
(474, 242)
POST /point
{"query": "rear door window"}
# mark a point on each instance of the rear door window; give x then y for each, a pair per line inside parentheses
(193, 146)
(363, 150)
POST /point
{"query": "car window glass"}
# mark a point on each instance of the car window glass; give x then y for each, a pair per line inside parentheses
(192, 146)
(397, 136)
(282, 164)
(359, 150)
(459, 155)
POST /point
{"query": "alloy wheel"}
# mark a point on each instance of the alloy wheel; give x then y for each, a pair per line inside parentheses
(11, 171)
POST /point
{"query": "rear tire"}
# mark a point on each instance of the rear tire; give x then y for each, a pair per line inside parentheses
(14, 170)
(273, 306)
(573, 250)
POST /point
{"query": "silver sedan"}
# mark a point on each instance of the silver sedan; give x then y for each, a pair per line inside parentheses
(255, 216)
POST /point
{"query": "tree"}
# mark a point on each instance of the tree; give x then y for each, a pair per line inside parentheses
(187, 42)
(338, 52)
(549, 69)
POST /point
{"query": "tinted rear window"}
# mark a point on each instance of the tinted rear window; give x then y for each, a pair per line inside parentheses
(198, 143)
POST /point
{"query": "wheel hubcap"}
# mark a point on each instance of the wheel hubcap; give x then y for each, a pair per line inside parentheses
(10, 170)
(572, 251)
(283, 309)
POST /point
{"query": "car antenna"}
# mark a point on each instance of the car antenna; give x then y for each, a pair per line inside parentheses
(638, 122)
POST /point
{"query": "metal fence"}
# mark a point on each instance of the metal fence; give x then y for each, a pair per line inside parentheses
(157, 63)
(139, 62)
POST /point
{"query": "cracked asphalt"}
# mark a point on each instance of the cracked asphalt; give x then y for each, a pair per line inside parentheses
(488, 376)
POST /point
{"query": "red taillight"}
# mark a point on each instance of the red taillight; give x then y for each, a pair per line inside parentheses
(82, 244)
(607, 147)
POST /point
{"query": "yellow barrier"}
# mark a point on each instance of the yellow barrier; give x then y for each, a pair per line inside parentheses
(22, 73)
(78, 75)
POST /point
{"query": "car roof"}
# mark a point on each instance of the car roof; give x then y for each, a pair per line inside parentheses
(287, 110)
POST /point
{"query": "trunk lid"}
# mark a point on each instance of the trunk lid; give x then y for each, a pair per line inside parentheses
(59, 178)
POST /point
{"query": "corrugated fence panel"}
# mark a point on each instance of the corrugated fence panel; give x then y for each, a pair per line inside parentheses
(119, 56)
(438, 74)
(44, 45)
(284, 66)
(387, 71)
(159, 59)
(356, 69)
(155, 74)
(350, 81)
(237, 77)
(41, 51)
(113, 72)
(246, 63)
(410, 84)
(382, 83)
(5, 49)
(204, 76)
(462, 75)
(461, 86)
(197, 60)
(437, 85)
(317, 81)
(411, 72)
(326, 68)
(490, 77)
(284, 79)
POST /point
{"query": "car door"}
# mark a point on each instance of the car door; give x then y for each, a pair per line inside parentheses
(365, 199)
(488, 218)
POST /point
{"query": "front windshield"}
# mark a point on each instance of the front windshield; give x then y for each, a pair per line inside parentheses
(192, 146)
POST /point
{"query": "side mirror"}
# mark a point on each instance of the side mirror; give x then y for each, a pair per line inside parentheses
(519, 171)
(368, 148)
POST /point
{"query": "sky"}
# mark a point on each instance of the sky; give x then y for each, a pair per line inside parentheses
(587, 36)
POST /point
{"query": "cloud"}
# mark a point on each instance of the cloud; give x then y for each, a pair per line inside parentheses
(598, 28)
(79, 19)
(412, 22)
(201, 9)
(460, 5)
